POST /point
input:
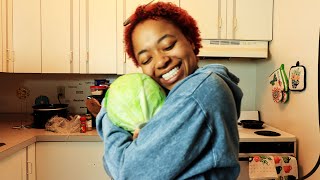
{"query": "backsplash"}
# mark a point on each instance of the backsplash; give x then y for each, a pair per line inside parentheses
(76, 86)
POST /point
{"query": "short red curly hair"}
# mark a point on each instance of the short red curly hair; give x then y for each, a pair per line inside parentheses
(162, 10)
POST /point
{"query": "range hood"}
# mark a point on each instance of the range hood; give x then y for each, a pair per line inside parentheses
(234, 48)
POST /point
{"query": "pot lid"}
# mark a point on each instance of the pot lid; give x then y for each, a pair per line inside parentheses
(50, 106)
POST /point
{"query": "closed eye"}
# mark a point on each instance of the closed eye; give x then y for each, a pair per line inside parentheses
(170, 47)
(146, 61)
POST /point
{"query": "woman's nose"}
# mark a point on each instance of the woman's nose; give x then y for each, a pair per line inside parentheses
(162, 62)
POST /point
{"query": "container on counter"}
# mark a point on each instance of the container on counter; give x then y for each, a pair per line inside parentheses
(83, 124)
(101, 82)
(89, 122)
(43, 112)
(98, 90)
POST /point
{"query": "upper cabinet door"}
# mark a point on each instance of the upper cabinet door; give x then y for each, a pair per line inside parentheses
(250, 19)
(207, 13)
(232, 19)
(101, 36)
(26, 36)
(56, 19)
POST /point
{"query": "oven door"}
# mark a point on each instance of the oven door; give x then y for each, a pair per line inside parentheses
(250, 149)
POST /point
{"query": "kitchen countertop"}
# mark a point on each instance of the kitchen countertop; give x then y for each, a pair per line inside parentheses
(17, 139)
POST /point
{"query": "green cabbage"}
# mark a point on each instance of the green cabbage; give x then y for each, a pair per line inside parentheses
(132, 100)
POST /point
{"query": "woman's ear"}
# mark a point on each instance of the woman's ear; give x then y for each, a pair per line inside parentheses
(192, 44)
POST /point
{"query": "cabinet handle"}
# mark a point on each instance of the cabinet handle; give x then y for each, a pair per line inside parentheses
(10, 58)
(87, 60)
(8, 55)
(235, 22)
(220, 23)
(29, 168)
(71, 56)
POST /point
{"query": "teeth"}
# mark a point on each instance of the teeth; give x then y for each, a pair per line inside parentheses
(171, 73)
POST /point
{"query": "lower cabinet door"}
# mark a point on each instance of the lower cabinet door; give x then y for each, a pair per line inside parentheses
(70, 160)
(13, 167)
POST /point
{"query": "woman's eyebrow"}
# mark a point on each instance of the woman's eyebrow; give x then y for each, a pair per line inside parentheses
(163, 37)
(159, 40)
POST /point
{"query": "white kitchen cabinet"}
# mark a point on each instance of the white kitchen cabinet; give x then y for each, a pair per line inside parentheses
(14, 166)
(98, 37)
(56, 36)
(129, 7)
(2, 34)
(59, 36)
(38, 36)
(25, 40)
(20, 165)
(31, 162)
(70, 160)
(232, 19)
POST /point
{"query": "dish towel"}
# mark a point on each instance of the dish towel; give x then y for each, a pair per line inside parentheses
(287, 168)
(262, 167)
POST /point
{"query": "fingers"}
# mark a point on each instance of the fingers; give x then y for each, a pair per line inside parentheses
(135, 134)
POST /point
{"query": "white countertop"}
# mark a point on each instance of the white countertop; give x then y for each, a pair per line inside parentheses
(16, 139)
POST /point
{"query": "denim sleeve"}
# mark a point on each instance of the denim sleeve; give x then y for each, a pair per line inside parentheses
(166, 146)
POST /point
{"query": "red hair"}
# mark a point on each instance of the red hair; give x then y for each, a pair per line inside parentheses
(162, 10)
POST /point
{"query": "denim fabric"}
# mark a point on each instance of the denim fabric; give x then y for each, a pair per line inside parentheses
(193, 136)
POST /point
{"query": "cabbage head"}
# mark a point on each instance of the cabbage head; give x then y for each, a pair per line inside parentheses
(132, 100)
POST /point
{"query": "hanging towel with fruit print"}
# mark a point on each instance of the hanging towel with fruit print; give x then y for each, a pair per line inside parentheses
(262, 167)
(286, 167)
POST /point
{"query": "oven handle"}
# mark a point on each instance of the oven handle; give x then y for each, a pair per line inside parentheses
(243, 159)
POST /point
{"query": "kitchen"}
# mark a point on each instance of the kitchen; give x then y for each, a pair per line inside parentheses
(295, 38)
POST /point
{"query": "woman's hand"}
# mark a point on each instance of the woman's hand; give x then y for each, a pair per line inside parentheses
(93, 106)
(135, 133)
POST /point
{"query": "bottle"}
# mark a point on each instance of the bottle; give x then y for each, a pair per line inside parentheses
(89, 122)
(83, 124)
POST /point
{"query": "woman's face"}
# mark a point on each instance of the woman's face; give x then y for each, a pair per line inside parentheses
(163, 52)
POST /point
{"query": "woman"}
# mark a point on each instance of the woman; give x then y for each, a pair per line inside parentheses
(194, 135)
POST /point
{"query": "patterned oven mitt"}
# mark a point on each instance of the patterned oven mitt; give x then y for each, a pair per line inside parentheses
(279, 81)
(297, 77)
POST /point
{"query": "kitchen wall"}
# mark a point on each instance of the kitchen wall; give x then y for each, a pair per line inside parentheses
(77, 88)
(295, 37)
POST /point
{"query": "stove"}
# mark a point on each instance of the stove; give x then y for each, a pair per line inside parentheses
(258, 141)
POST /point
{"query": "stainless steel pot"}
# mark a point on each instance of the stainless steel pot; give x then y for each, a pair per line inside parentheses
(43, 112)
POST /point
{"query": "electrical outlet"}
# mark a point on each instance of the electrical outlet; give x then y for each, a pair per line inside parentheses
(61, 91)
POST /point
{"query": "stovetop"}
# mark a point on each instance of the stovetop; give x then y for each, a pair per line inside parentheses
(249, 135)
(254, 144)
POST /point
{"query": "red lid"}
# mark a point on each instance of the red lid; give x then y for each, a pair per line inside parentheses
(83, 118)
(98, 87)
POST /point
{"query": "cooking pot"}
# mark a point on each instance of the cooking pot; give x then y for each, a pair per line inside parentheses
(43, 112)
(252, 124)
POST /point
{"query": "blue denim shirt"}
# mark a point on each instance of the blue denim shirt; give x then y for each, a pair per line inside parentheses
(193, 136)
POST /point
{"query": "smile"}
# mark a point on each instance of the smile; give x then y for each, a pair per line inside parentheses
(171, 73)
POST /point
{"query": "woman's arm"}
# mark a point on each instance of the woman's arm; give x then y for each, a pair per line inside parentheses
(165, 146)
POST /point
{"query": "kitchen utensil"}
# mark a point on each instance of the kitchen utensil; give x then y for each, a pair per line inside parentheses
(43, 112)
(252, 124)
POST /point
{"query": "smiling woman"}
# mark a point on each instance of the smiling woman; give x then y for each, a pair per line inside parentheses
(194, 135)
